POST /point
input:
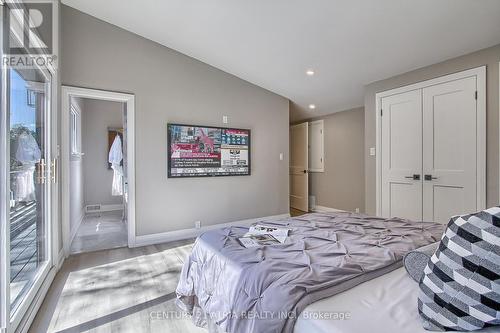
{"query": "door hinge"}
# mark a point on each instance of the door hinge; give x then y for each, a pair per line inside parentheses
(381, 112)
(475, 95)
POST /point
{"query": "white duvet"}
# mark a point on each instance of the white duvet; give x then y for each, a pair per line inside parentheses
(386, 304)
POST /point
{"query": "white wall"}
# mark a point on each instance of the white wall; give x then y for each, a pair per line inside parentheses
(342, 184)
(489, 57)
(171, 87)
(76, 202)
(98, 117)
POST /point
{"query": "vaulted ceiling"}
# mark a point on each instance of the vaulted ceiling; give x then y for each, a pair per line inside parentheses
(347, 43)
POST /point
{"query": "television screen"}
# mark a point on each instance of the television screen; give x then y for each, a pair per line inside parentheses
(204, 151)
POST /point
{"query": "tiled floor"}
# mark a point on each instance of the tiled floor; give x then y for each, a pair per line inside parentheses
(100, 231)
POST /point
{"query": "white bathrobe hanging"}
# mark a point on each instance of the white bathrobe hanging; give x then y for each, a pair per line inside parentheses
(28, 153)
(115, 157)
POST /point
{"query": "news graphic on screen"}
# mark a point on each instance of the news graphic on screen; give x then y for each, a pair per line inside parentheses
(203, 151)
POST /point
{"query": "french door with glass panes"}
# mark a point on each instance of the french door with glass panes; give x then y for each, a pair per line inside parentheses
(28, 172)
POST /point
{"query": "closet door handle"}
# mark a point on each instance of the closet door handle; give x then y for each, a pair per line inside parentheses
(429, 177)
(414, 177)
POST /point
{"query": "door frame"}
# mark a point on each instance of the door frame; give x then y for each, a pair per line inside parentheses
(4, 194)
(21, 319)
(306, 167)
(480, 74)
(26, 305)
(321, 123)
(129, 99)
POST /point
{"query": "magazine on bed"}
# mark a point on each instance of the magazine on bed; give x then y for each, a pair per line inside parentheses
(258, 240)
(260, 235)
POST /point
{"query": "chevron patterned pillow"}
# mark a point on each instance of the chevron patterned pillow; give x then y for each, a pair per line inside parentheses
(460, 288)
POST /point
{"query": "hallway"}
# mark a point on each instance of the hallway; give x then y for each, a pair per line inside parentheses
(100, 231)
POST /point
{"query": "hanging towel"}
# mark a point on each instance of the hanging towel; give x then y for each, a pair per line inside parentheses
(117, 187)
(28, 153)
(24, 184)
(115, 158)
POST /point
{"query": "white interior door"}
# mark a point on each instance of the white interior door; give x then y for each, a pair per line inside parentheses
(401, 181)
(299, 163)
(316, 146)
(450, 149)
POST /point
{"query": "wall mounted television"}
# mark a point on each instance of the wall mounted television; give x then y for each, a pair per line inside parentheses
(206, 151)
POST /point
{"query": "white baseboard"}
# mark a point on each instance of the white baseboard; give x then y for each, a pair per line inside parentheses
(172, 236)
(28, 318)
(77, 226)
(39, 298)
(322, 209)
(60, 259)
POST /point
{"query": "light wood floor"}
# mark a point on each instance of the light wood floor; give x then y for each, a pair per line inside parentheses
(296, 212)
(118, 290)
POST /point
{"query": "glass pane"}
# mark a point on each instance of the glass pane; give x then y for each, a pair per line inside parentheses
(28, 222)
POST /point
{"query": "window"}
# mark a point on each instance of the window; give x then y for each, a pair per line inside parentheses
(26, 192)
(75, 132)
(29, 113)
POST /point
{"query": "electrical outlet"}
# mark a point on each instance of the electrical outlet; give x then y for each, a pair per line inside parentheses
(224, 119)
(373, 151)
(357, 210)
(197, 224)
(281, 156)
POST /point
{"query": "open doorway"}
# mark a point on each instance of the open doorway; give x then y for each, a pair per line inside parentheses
(299, 166)
(97, 175)
(97, 151)
(307, 161)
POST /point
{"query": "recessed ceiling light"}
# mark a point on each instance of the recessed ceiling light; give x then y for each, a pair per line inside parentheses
(310, 72)
(312, 106)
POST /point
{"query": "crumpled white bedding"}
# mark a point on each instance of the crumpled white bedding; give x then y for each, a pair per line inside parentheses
(258, 290)
(385, 304)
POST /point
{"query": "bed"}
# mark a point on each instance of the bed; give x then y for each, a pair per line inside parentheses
(385, 304)
(229, 288)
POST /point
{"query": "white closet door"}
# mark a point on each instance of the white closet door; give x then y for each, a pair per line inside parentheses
(402, 155)
(450, 149)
